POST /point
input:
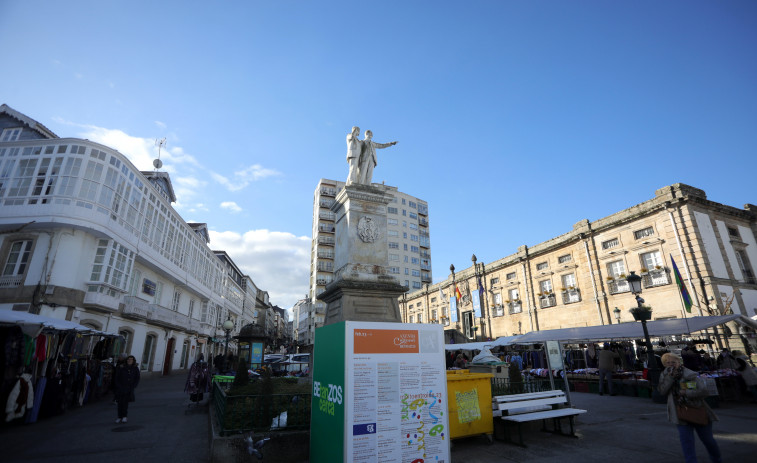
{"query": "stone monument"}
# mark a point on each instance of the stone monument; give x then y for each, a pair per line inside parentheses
(363, 289)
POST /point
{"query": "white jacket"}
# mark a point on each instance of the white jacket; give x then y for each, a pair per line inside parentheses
(10, 406)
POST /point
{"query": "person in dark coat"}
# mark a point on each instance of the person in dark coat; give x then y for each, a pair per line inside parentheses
(127, 379)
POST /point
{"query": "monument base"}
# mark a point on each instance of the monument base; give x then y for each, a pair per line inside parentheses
(367, 301)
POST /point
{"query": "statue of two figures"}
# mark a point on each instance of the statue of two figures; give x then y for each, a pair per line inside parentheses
(361, 156)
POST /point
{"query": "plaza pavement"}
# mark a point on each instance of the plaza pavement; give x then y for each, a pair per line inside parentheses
(162, 428)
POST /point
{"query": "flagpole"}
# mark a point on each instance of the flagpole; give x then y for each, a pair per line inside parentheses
(681, 285)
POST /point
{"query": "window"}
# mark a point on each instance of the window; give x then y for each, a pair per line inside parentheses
(609, 244)
(745, 266)
(433, 315)
(545, 286)
(733, 232)
(416, 273)
(392, 210)
(565, 259)
(404, 224)
(468, 325)
(404, 212)
(394, 245)
(616, 272)
(413, 215)
(404, 246)
(433, 299)
(392, 233)
(569, 281)
(513, 295)
(404, 235)
(392, 221)
(542, 266)
(415, 260)
(643, 233)
(406, 259)
(510, 276)
(420, 318)
(407, 271)
(148, 354)
(394, 270)
(403, 201)
(11, 134)
(18, 258)
(175, 301)
(412, 319)
(394, 257)
(184, 355)
(494, 281)
(413, 237)
(414, 249)
(651, 260)
(416, 285)
(498, 299)
(412, 204)
(112, 264)
(191, 307)
(413, 226)
(136, 279)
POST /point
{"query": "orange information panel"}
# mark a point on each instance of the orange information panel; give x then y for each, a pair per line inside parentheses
(370, 341)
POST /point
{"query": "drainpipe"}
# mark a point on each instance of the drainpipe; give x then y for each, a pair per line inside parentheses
(593, 283)
(528, 295)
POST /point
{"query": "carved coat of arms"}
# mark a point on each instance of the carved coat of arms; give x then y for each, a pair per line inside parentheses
(367, 229)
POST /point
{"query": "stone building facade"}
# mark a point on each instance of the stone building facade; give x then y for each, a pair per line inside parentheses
(578, 278)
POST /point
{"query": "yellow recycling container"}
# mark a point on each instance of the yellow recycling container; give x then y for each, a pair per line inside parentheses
(469, 399)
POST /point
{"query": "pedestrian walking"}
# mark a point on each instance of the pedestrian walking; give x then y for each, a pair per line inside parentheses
(127, 379)
(686, 393)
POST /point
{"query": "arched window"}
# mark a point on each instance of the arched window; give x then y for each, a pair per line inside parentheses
(128, 336)
(148, 354)
(184, 355)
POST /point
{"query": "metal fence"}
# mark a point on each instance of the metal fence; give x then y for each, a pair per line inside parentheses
(502, 386)
(261, 413)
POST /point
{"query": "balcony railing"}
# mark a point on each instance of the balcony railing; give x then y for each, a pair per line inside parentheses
(426, 278)
(326, 228)
(327, 215)
(515, 307)
(570, 296)
(328, 191)
(655, 278)
(102, 297)
(498, 310)
(11, 281)
(548, 301)
(326, 240)
(141, 309)
(619, 286)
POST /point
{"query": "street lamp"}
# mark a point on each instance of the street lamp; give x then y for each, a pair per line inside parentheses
(228, 325)
(634, 281)
(617, 314)
(454, 293)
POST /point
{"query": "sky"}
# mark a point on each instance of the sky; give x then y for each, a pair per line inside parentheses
(514, 119)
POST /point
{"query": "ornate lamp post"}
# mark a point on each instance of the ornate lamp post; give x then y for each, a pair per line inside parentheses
(653, 372)
(454, 293)
(480, 302)
(617, 314)
(227, 326)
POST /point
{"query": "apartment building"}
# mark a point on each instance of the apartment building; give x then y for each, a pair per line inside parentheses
(578, 278)
(408, 238)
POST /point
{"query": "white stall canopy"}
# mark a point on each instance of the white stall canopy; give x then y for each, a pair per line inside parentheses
(629, 330)
(33, 324)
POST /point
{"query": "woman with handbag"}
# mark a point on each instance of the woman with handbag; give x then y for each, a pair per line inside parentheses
(687, 408)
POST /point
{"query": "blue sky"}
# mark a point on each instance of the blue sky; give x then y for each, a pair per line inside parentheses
(515, 119)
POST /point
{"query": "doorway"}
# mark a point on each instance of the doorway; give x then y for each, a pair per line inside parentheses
(169, 357)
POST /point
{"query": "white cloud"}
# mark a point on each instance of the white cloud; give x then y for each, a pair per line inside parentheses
(278, 262)
(162, 125)
(231, 206)
(244, 177)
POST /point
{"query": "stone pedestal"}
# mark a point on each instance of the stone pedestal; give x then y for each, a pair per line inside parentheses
(363, 289)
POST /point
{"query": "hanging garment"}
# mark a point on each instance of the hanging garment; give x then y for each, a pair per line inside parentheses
(20, 399)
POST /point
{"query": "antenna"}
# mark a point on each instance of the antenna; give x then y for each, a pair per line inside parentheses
(160, 143)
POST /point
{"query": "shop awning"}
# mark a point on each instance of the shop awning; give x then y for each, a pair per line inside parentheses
(31, 322)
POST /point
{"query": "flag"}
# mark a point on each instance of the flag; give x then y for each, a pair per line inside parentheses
(480, 288)
(458, 295)
(441, 294)
(681, 286)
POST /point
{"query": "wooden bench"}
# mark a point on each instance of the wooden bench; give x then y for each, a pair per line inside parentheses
(533, 406)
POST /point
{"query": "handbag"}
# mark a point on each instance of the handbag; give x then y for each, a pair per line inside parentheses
(692, 415)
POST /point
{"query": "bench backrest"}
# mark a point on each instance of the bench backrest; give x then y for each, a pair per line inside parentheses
(527, 396)
(531, 403)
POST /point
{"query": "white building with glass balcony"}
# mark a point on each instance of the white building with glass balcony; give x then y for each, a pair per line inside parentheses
(85, 236)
